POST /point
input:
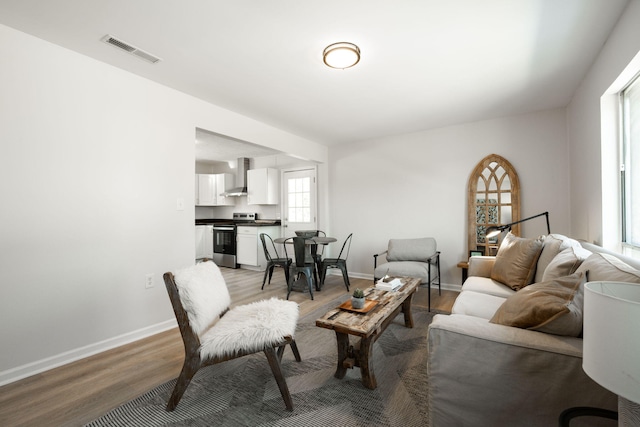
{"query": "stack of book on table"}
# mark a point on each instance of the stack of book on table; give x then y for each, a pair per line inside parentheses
(390, 285)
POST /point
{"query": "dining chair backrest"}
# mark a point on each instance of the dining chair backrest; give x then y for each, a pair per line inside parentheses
(270, 250)
(347, 245)
(300, 251)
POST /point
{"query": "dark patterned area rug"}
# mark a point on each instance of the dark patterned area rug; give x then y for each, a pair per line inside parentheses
(243, 392)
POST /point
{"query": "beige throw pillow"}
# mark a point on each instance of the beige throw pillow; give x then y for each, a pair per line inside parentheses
(554, 307)
(516, 261)
(605, 267)
(553, 245)
(564, 263)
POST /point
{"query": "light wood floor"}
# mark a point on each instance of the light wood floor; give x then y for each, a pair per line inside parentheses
(82, 391)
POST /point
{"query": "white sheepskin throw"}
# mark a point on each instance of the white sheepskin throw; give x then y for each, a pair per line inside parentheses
(250, 328)
(203, 293)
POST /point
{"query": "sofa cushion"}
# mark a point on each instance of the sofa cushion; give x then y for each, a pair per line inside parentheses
(485, 285)
(516, 261)
(553, 245)
(404, 268)
(481, 265)
(477, 304)
(605, 267)
(564, 263)
(411, 249)
(550, 307)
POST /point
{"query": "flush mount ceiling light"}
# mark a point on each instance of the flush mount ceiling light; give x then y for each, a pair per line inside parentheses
(341, 55)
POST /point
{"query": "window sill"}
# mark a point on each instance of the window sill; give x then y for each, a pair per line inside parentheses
(630, 251)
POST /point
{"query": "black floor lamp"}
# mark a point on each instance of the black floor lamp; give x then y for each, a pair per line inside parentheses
(494, 230)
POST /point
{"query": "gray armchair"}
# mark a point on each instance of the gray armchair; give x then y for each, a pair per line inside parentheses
(413, 258)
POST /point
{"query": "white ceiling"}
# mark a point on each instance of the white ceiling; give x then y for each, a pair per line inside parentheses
(425, 63)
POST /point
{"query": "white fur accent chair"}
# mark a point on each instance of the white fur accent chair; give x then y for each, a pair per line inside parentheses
(212, 333)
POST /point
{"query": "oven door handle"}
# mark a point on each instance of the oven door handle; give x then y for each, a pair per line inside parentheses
(223, 228)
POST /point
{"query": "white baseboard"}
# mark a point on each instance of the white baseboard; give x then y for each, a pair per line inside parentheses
(33, 368)
(20, 372)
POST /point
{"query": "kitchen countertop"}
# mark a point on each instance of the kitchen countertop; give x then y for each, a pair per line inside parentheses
(259, 223)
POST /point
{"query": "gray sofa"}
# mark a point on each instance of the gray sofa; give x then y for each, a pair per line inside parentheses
(487, 374)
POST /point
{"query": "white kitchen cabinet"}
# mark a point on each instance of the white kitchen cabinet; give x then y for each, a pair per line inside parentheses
(210, 186)
(249, 251)
(206, 190)
(263, 186)
(204, 241)
(246, 246)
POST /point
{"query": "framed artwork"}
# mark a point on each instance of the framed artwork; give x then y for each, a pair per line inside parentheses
(477, 252)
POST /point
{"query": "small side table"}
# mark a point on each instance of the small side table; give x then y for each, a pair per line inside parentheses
(464, 265)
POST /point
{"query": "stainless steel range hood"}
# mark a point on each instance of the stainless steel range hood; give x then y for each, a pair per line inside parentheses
(241, 179)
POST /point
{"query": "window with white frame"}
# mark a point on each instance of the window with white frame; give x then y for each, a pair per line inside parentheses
(630, 167)
(299, 193)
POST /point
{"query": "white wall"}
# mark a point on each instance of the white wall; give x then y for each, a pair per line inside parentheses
(584, 131)
(93, 161)
(415, 185)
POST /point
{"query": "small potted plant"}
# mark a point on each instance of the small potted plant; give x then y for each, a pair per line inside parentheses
(357, 300)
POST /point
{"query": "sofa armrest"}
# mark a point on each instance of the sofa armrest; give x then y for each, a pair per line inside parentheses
(480, 373)
(375, 258)
(480, 328)
(481, 265)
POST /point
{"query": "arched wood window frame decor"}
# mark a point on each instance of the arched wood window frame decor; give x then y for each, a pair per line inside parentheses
(493, 199)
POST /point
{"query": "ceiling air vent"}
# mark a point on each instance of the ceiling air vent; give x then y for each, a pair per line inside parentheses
(109, 39)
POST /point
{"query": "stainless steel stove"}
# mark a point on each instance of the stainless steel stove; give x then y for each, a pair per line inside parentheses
(224, 239)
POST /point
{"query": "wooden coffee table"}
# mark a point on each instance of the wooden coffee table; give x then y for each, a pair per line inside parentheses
(368, 326)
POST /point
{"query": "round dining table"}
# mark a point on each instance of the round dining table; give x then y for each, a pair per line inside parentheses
(312, 243)
(317, 240)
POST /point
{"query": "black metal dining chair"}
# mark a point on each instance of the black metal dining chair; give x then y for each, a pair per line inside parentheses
(340, 262)
(317, 252)
(301, 265)
(274, 259)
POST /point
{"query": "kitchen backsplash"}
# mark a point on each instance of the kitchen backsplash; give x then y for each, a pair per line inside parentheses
(223, 212)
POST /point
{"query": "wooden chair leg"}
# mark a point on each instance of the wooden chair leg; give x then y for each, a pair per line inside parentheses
(280, 351)
(294, 348)
(274, 362)
(189, 369)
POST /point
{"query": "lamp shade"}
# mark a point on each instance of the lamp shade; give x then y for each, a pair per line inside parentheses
(611, 345)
